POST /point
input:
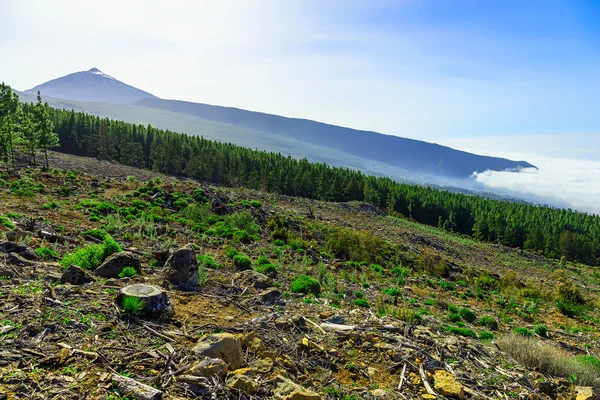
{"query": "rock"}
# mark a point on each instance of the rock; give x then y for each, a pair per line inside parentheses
(372, 371)
(262, 365)
(379, 393)
(221, 345)
(114, 265)
(18, 261)
(156, 302)
(181, 268)
(270, 297)
(288, 390)
(325, 314)
(548, 388)
(209, 367)
(427, 396)
(585, 393)
(447, 385)
(13, 236)
(23, 251)
(252, 280)
(243, 383)
(76, 276)
(50, 237)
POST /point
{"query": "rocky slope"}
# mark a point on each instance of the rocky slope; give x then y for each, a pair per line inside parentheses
(394, 309)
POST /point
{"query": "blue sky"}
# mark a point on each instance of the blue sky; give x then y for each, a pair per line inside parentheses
(428, 69)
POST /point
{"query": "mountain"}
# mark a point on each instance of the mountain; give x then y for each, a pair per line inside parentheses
(414, 155)
(92, 85)
(371, 152)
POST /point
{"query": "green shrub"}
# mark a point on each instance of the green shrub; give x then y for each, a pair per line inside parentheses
(305, 284)
(461, 331)
(523, 332)
(467, 314)
(199, 213)
(242, 261)
(452, 309)
(133, 305)
(95, 233)
(262, 260)
(255, 203)
(45, 252)
(570, 309)
(267, 269)
(207, 261)
(489, 322)
(393, 292)
(127, 272)
(349, 244)
(569, 292)
(232, 253)
(486, 335)
(243, 221)
(453, 317)
(541, 330)
(49, 205)
(90, 257)
(359, 295)
(309, 301)
(447, 285)
(6, 222)
(361, 303)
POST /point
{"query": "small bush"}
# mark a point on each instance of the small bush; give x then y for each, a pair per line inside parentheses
(361, 303)
(50, 205)
(232, 253)
(242, 261)
(486, 335)
(393, 292)
(267, 269)
(461, 331)
(207, 261)
(133, 305)
(45, 252)
(262, 260)
(90, 257)
(541, 330)
(95, 233)
(570, 309)
(523, 332)
(359, 295)
(467, 314)
(453, 317)
(127, 272)
(305, 284)
(6, 222)
(452, 309)
(378, 269)
(489, 322)
(569, 292)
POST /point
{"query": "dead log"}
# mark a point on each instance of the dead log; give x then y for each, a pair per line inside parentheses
(135, 389)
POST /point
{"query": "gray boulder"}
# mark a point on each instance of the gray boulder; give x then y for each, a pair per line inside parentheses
(181, 267)
(114, 265)
(76, 276)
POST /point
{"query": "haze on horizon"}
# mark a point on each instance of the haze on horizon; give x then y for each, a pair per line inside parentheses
(486, 76)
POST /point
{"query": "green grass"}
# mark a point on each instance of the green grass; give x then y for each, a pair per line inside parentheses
(361, 303)
(489, 322)
(461, 331)
(467, 314)
(133, 305)
(90, 257)
(6, 222)
(127, 272)
(45, 252)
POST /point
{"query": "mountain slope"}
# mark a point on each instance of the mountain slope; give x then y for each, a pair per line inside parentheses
(92, 85)
(414, 155)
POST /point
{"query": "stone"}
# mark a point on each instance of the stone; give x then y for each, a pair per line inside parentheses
(379, 393)
(427, 396)
(548, 388)
(269, 297)
(225, 346)
(243, 383)
(209, 367)
(372, 371)
(447, 385)
(288, 390)
(22, 250)
(262, 365)
(18, 261)
(252, 281)
(325, 314)
(114, 265)
(585, 393)
(181, 268)
(76, 276)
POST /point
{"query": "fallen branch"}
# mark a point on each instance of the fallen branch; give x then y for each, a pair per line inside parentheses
(135, 389)
(426, 381)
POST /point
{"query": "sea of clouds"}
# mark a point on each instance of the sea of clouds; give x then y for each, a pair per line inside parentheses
(570, 181)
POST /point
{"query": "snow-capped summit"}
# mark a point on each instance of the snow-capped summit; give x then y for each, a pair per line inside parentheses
(92, 85)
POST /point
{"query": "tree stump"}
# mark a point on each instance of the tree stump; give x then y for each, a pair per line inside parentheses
(155, 299)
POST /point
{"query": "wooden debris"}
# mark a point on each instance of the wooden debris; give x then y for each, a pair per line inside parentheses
(135, 389)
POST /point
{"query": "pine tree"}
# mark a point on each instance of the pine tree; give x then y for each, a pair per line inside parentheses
(9, 111)
(46, 137)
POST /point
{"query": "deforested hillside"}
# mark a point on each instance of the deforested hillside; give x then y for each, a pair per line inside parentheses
(122, 283)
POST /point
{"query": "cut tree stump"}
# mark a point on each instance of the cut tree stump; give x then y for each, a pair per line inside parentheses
(155, 299)
(135, 389)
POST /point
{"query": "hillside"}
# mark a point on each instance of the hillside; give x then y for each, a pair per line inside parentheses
(90, 86)
(409, 154)
(292, 298)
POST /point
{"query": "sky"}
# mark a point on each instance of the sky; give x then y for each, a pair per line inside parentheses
(516, 75)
